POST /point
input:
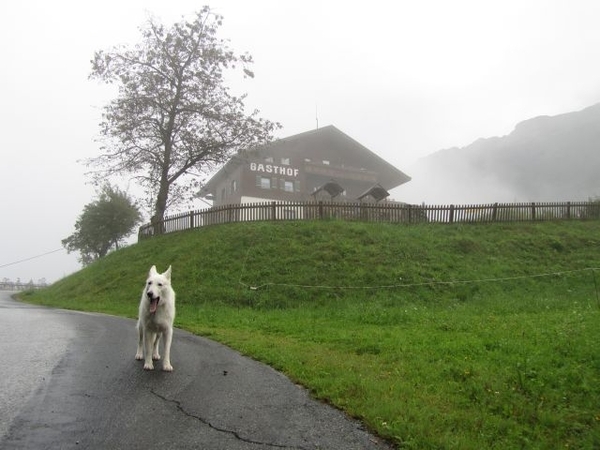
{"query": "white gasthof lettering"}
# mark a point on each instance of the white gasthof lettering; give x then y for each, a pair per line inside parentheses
(273, 169)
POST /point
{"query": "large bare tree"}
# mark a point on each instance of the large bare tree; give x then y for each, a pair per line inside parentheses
(174, 119)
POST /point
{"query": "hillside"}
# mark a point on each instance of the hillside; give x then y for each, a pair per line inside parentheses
(219, 263)
(543, 159)
(435, 336)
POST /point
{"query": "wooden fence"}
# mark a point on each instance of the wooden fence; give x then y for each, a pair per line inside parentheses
(374, 212)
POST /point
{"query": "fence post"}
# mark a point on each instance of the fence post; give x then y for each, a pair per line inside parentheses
(451, 213)
(568, 210)
(495, 212)
(273, 211)
(191, 220)
(532, 210)
(321, 209)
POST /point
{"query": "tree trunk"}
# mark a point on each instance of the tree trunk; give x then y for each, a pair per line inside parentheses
(161, 207)
(163, 190)
(161, 204)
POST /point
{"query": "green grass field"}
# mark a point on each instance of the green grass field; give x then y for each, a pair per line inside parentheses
(435, 336)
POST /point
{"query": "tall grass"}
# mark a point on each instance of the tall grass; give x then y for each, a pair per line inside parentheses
(436, 336)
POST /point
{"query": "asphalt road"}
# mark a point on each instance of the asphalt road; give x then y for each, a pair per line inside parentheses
(69, 380)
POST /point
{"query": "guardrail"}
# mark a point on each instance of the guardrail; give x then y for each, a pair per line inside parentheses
(14, 286)
(373, 212)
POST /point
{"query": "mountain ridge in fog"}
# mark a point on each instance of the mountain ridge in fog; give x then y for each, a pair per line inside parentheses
(546, 158)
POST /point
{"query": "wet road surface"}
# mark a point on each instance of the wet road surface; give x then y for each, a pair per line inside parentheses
(70, 381)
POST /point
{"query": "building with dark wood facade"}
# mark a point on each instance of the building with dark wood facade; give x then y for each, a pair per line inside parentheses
(320, 164)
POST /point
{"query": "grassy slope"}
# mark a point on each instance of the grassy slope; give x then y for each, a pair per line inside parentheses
(508, 363)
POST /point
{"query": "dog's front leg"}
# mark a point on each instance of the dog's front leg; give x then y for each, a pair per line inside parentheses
(168, 337)
(149, 339)
(139, 355)
(155, 353)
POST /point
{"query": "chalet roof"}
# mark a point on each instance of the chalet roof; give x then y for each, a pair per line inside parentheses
(327, 143)
(332, 187)
(377, 192)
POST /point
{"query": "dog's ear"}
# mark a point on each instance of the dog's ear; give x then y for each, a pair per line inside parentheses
(167, 274)
(153, 271)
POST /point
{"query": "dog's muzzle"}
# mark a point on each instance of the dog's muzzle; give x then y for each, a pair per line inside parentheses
(153, 302)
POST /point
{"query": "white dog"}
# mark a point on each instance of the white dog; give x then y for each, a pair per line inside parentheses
(155, 319)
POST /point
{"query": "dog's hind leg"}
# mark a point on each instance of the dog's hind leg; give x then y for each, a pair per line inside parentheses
(140, 348)
(168, 334)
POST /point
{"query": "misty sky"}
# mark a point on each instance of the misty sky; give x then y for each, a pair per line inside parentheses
(403, 78)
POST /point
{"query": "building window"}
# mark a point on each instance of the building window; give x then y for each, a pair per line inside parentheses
(326, 162)
(234, 186)
(269, 159)
(285, 161)
(288, 186)
(263, 182)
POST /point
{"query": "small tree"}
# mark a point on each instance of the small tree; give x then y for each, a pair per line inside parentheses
(103, 225)
(174, 119)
